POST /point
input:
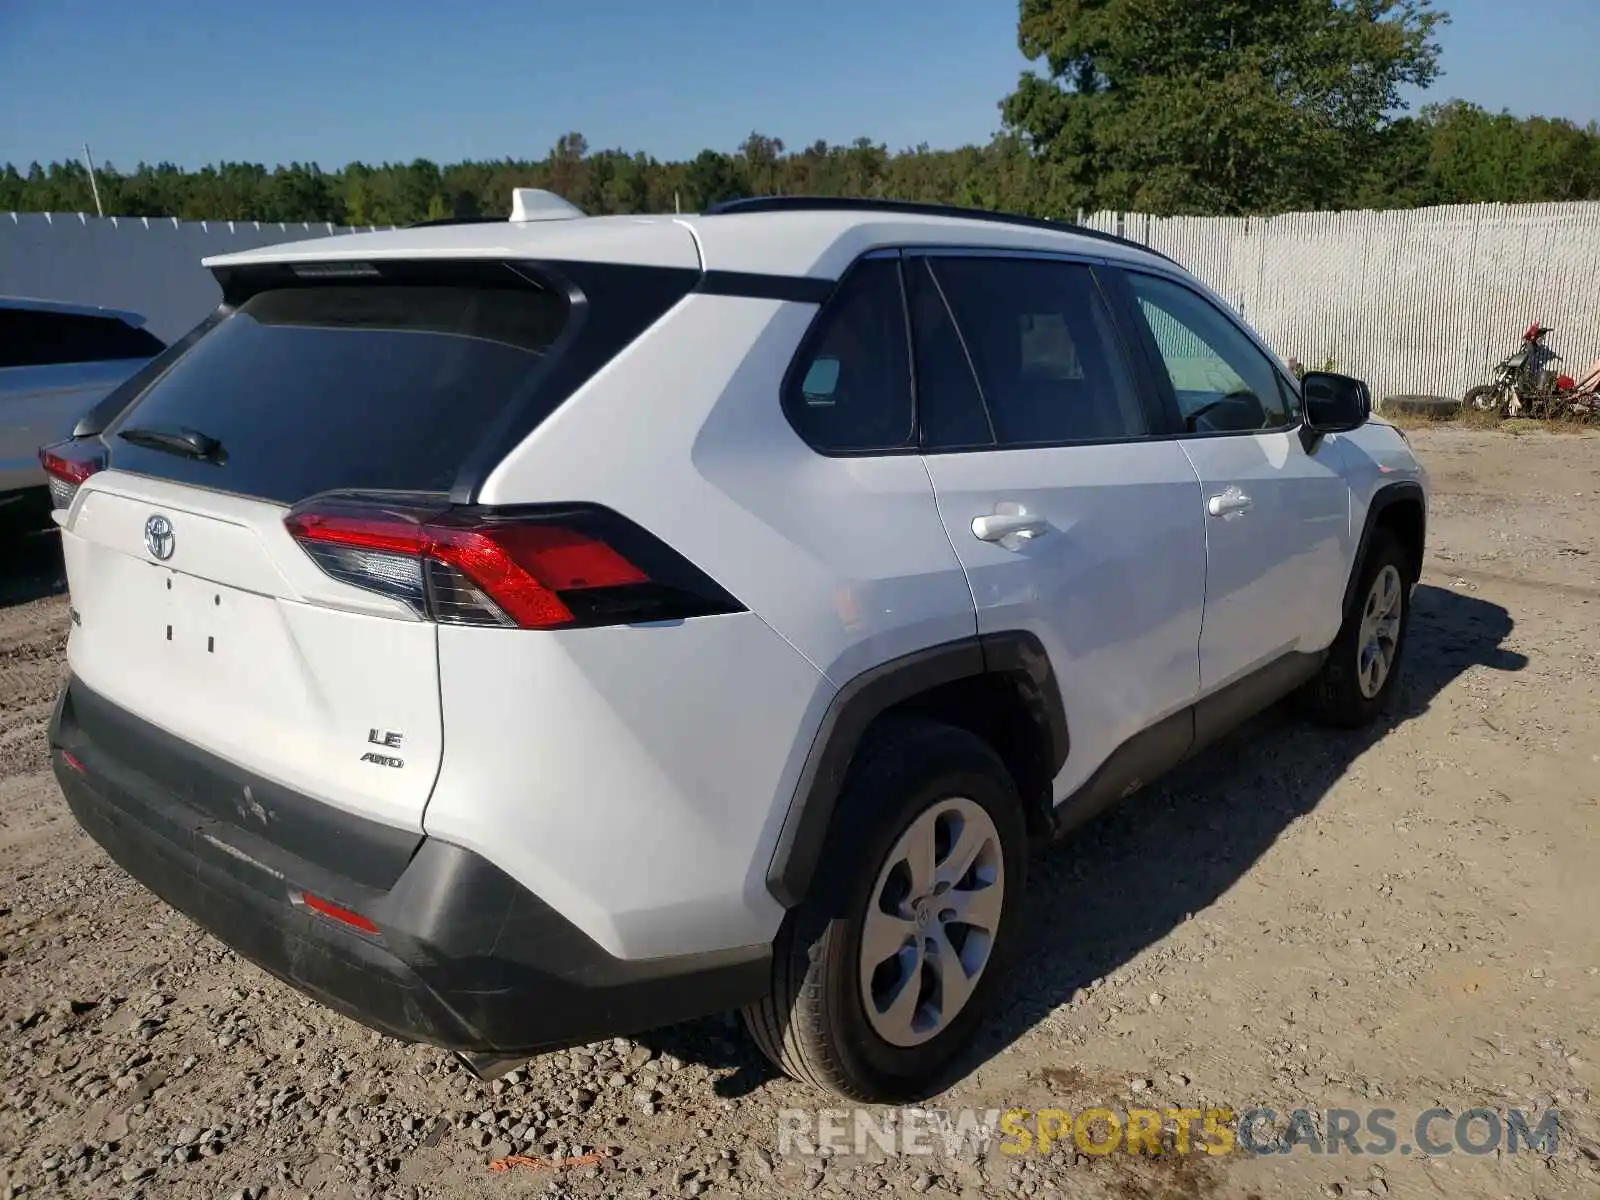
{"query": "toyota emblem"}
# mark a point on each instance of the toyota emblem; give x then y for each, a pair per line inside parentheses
(158, 537)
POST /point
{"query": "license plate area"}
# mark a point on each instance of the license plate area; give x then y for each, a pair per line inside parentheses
(198, 620)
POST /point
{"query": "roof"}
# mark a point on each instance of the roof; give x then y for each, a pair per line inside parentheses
(66, 307)
(819, 242)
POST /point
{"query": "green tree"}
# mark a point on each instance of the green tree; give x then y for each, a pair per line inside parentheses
(712, 178)
(13, 189)
(301, 193)
(627, 183)
(1215, 106)
(1181, 122)
(413, 192)
(1474, 155)
(763, 157)
(568, 168)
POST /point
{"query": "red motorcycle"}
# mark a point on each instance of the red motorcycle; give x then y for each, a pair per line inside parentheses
(1523, 381)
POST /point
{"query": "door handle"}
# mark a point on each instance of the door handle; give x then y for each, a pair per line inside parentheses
(1229, 503)
(999, 526)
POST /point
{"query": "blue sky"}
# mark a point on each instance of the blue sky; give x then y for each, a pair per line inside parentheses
(156, 79)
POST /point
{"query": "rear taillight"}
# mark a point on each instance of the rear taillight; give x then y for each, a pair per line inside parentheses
(547, 568)
(66, 466)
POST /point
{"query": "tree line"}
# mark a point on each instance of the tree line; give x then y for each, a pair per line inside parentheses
(1209, 107)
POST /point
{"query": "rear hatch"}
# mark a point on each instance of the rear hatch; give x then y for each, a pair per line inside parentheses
(305, 652)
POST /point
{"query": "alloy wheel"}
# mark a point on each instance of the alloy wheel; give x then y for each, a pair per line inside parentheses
(1379, 643)
(931, 921)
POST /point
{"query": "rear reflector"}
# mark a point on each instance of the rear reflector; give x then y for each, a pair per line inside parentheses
(337, 913)
(544, 568)
(67, 465)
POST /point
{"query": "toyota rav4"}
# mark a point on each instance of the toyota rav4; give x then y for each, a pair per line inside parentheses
(517, 633)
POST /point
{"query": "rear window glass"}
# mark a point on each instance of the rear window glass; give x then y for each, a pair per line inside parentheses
(350, 385)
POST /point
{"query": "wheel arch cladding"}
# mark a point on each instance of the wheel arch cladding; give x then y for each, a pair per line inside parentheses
(1001, 686)
(1401, 508)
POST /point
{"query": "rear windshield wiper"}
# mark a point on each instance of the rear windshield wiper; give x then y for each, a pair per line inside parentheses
(190, 443)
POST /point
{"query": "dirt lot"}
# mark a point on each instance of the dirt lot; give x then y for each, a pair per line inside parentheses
(1402, 919)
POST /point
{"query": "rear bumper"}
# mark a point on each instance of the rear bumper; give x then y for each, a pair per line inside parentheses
(464, 957)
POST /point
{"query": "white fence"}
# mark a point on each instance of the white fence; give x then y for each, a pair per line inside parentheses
(150, 265)
(1414, 301)
(1421, 300)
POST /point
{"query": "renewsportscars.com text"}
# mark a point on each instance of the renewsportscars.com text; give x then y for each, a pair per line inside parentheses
(1212, 1130)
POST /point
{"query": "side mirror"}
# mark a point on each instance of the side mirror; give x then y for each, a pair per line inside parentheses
(1335, 403)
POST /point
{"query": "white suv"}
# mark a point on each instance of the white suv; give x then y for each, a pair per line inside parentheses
(515, 634)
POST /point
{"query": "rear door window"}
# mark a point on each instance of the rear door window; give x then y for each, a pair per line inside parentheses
(949, 405)
(1049, 363)
(360, 385)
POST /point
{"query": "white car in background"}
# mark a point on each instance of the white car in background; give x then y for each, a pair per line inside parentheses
(57, 361)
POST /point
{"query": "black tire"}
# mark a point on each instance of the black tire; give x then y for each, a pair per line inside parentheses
(814, 1025)
(1335, 697)
(1480, 399)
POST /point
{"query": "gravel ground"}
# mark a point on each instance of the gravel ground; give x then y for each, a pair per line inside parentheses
(1401, 917)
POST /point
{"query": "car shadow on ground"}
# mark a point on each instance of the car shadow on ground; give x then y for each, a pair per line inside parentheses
(1173, 850)
(1128, 878)
(30, 566)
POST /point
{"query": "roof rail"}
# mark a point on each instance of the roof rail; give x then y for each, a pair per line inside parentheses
(455, 221)
(769, 204)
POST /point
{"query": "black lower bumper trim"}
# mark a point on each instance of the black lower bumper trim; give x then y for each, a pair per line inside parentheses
(464, 958)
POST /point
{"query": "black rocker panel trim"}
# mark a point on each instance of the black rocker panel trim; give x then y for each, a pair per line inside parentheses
(1151, 753)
